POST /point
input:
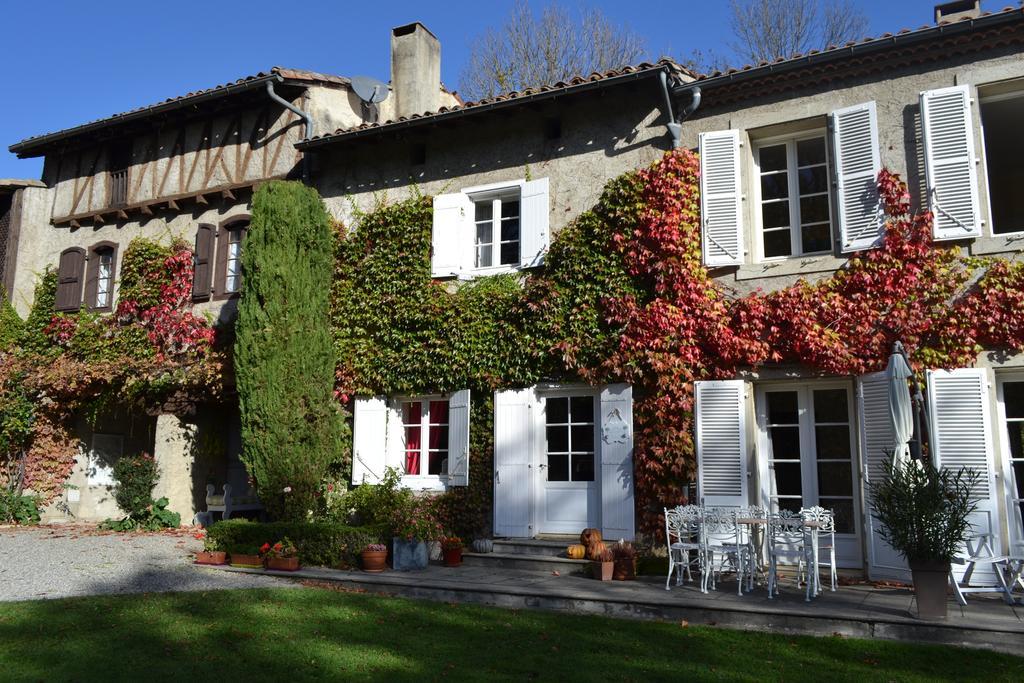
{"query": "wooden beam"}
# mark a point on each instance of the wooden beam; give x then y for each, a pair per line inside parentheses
(172, 205)
(146, 210)
(122, 214)
(75, 224)
(201, 199)
(227, 194)
(98, 219)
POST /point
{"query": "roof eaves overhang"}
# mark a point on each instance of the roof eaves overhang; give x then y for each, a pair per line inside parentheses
(38, 146)
(850, 51)
(439, 117)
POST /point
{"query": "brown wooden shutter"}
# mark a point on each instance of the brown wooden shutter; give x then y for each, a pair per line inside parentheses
(69, 280)
(203, 258)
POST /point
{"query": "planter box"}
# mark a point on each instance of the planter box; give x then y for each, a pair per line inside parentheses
(211, 557)
(409, 555)
(283, 564)
(375, 560)
(246, 561)
(602, 571)
(453, 557)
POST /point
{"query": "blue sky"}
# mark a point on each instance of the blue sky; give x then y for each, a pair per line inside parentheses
(72, 62)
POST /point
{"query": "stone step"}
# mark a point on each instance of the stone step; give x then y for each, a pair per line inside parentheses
(534, 563)
(533, 546)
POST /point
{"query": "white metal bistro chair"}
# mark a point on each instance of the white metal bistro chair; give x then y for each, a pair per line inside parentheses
(787, 541)
(822, 535)
(720, 539)
(682, 534)
(980, 550)
(751, 522)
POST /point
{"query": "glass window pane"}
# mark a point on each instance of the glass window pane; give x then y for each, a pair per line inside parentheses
(774, 186)
(438, 463)
(814, 209)
(583, 438)
(843, 510)
(830, 406)
(814, 179)
(1018, 477)
(775, 214)
(484, 233)
(484, 210)
(438, 438)
(583, 467)
(558, 439)
(772, 158)
(835, 479)
(785, 442)
(787, 479)
(510, 208)
(1013, 398)
(484, 256)
(782, 407)
(814, 238)
(791, 504)
(510, 230)
(509, 253)
(810, 152)
(557, 410)
(438, 412)
(558, 467)
(832, 442)
(776, 243)
(1016, 438)
(583, 409)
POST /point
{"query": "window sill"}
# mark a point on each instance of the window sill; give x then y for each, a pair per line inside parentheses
(1012, 241)
(799, 265)
(425, 483)
(473, 273)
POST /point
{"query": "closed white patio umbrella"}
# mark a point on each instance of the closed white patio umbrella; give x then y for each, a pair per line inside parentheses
(901, 412)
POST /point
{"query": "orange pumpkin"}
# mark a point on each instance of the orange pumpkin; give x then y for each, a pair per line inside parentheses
(596, 550)
(590, 536)
(576, 552)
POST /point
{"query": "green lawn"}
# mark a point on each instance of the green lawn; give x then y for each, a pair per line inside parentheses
(316, 634)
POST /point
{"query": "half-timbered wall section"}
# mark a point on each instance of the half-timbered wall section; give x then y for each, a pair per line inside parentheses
(192, 161)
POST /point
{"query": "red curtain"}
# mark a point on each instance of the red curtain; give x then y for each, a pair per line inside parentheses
(413, 413)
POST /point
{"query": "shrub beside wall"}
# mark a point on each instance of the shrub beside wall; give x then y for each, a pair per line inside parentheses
(322, 544)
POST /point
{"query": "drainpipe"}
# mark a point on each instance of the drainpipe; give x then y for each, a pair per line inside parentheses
(675, 127)
(305, 116)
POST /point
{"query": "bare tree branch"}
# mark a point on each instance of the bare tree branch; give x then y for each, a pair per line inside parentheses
(529, 50)
(767, 29)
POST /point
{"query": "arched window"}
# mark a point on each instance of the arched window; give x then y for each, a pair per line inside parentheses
(100, 273)
(227, 281)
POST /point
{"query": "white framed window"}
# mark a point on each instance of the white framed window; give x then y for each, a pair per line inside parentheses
(1003, 146)
(793, 197)
(425, 437)
(569, 429)
(233, 261)
(496, 219)
(1011, 415)
(104, 278)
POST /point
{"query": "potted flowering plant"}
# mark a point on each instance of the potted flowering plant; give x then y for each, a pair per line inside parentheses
(282, 556)
(451, 549)
(624, 561)
(245, 556)
(412, 525)
(602, 567)
(211, 552)
(375, 557)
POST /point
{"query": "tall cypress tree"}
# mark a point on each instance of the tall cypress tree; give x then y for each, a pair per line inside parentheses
(292, 429)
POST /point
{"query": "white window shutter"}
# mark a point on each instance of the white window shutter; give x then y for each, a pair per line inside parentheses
(451, 237)
(721, 205)
(370, 428)
(535, 212)
(857, 163)
(721, 426)
(876, 447)
(962, 437)
(617, 505)
(458, 438)
(514, 441)
(949, 162)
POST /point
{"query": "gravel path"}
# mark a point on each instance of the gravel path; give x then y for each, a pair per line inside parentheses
(58, 562)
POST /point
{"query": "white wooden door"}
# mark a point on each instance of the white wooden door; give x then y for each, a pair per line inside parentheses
(514, 438)
(567, 470)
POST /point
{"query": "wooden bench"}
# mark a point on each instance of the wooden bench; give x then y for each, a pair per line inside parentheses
(227, 505)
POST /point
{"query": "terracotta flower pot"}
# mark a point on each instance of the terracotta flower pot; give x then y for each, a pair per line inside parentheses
(624, 569)
(602, 571)
(283, 564)
(375, 560)
(247, 561)
(452, 557)
(931, 583)
(211, 557)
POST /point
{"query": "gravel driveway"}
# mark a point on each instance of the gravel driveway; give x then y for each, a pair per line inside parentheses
(59, 561)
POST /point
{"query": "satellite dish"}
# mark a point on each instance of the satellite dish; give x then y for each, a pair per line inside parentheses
(370, 90)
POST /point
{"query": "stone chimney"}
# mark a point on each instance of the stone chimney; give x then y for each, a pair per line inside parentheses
(415, 70)
(957, 10)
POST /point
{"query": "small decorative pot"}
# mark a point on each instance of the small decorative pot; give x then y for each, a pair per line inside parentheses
(409, 555)
(211, 557)
(375, 560)
(624, 569)
(931, 581)
(452, 557)
(247, 561)
(483, 545)
(283, 564)
(602, 571)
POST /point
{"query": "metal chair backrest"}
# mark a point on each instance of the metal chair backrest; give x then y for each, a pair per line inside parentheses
(682, 524)
(823, 517)
(785, 528)
(718, 527)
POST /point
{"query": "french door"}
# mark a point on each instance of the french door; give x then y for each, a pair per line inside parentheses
(1011, 414)
(567, 471)
(805, 456)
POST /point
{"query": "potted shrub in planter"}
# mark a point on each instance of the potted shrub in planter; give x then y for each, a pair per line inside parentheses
(602, 568)
(210, 554)
(923, 514)
(413, 524)
(375, 557)
(245, 556)
(624, 561)
(283, 556)
(451, 549)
